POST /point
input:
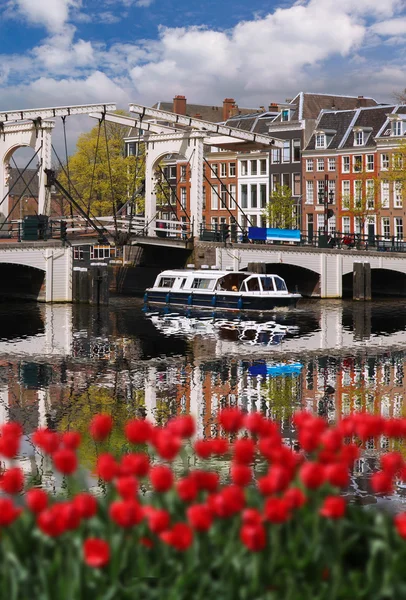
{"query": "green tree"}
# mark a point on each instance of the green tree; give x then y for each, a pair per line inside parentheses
(280, 210)
(101, 177)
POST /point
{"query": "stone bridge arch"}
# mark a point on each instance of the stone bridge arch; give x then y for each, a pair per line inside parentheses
(385, 282)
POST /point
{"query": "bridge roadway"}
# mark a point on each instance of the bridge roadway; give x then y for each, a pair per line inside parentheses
(316, 272)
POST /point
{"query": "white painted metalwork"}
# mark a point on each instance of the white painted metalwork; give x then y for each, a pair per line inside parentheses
(58, 111)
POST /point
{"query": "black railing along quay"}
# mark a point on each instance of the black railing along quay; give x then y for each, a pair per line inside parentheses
(335, 239)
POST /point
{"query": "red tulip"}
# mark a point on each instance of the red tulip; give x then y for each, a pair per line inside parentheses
(312, 475)
(127, 487)
(36, 500)
(161, 478)
(333, 507)
(85, 504)
(158, 520)
(12, 481)
(382, 483)
(187, 489)
(182, 426)
(100, 427)
(47, 440)
(138, 431)
(106, 467)
(253, 536)
(71, 439)
(135, 464)
(8, 512)
(231, 419)
(400, 524)
(276, 510)
(199, 517)
(126, 513)
(244, 450)
(65, 461)
(96, 553)
(241, 474)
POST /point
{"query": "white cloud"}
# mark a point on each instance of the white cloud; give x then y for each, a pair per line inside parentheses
(392, 27)
(51, 14)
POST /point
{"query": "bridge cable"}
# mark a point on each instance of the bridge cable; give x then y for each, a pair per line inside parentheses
(135, 190)
(94, 168)
(20, 197)
(67, 161)
(111, 180)
(229, 193)
(182, 208)
(88, 217)
(20, 176)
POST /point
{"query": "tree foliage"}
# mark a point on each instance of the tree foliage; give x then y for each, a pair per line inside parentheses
(101, 178)
(280, 210)
(363, 201)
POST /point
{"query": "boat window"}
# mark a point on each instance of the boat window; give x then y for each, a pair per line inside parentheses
(280, 284)
(253, 285)
(203, 284)
(267, 284)
(166, 282)
(182, 283)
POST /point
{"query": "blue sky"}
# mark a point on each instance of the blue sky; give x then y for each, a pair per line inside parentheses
(58, 52)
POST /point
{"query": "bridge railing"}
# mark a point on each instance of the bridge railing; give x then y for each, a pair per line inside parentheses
(165, 228)
(335, 239)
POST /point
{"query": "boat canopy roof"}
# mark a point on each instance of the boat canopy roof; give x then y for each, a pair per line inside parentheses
(210, 273)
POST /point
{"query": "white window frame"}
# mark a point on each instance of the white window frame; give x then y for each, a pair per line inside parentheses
(182, 172)
(398, 221)
(370, 163)
(263, 163)
(345, 194)
(384, 162)
(320, 164)
(253, 168)
(358, 193)
(320, 186)
(332, 164)
(320, 141)
(286, 151)
(285, 112)
(355, 162)
(397, 194)
(385, 194)
(309, 191)
(397, 128)
(346, 224)
(231, 169)
(223, 169)
(183, 196)
(385, 228)
(214, 197)
(358, 138)
(346, 167)
(332, 188)
(370, 193)
(244, 200)
(309, 165)
(233, 190)
(244, 168)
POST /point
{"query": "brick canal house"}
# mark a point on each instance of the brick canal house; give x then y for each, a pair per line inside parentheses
(350, 156)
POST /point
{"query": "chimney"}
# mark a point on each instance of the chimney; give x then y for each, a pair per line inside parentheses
(361, 101)
(228, 104)
(179, 105)
(197, 116)
(273, 107)
(262, 108)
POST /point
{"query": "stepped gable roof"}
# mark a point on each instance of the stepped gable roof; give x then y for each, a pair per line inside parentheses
(338, 121)
(29, 178)
(369, 117)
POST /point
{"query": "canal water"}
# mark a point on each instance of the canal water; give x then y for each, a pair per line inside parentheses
(61, 364)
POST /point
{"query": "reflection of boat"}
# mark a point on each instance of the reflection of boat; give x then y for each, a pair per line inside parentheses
(275, 369)
(249, 332)
(225, 290)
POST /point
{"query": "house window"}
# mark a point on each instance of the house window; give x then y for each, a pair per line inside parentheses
(254, 196)
(331, 191)
(231, 169)
(254, 167)
(357, 224)
(285, 114)
(331, 164)
(100, 252)
(262, 195)
(320, 223)
(244, 196)
(214, 222)
(183, 173)
(223, 194)
(309, 165)
(359, 138)
(296, 150)
(357, 164)
(286, 180)
(309, 191)
(346, 164)
(384, 162)
(320, 164)
(276, 156)
(345, 191)
(346, 225)
(223, 169)
(296, 184)
(385, 194)
(331, 224)
(262, 166)
(399, 227)
(244, 167)
(286, 152)
(357, 193)
(253, 219)
(397, 161)
(231, 196)
(214, 197)
(214, 170)
(172, 172)
(397, 194)
(397, 128)
(78, 253)
(275, 180)
(183, 197)
(204, 197)
(370, 162)
(320, 140)
(386, 227)
(320, 191)
(370, 193)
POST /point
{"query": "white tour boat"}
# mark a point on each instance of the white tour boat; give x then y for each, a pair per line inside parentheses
(223, 290)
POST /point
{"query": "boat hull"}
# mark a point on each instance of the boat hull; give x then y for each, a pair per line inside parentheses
(221, 301)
